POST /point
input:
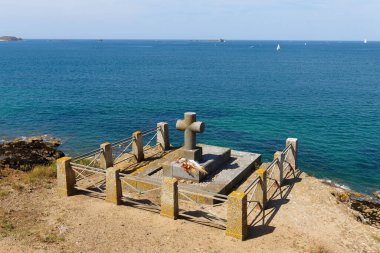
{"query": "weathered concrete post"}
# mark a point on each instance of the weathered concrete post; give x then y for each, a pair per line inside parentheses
(261, 190)
(105, 158)
(279, 173)
(113, 186)
(138, 146)
(65, 177)
(292, 157)
(237, 215)
(169, 198)
(163, 135)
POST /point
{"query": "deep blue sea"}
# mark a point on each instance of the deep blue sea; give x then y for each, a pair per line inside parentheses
(250, 96)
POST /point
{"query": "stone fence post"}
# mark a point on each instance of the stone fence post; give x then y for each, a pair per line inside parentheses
(113, 186)
(105, 158)
(237, 226)
(169, 198)
(163, 135)
(292, 155)
(261, 190)
(279, 172)
(138, 146)
(65, 177)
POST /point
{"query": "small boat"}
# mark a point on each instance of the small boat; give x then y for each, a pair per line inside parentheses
(365, 41)
(278, 47)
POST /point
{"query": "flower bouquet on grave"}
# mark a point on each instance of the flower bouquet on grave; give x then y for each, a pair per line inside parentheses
(191, 166)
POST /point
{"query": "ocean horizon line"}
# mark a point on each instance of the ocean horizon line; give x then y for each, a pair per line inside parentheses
(206, 40)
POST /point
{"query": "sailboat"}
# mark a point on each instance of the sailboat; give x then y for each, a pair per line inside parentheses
(278, 47)
(365, 41)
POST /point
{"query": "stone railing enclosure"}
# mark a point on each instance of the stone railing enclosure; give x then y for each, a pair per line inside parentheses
(239, 203)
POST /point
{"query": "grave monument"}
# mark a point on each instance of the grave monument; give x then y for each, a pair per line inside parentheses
(212, 159)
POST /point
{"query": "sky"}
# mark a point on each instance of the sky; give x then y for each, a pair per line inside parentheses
(192, 19)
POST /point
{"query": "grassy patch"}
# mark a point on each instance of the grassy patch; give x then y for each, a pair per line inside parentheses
(52, 238)
(4, 193)
(41, 173)
(319, 249)
(6, 227)
(376, 238)
(17, 186)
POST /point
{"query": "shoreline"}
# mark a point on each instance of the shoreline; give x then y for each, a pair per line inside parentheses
(364, 207)
(48, 138)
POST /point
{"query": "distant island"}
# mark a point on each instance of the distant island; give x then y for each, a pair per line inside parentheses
(9, 38)
(213, 40)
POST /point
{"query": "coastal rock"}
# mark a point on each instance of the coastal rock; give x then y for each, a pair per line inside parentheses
(360, 217)
(341, 195)
(365, 209)
(9, 38)
(376, 194)
(25, 153)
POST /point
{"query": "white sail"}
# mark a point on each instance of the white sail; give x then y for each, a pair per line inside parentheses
(365, 41)
(278, 47)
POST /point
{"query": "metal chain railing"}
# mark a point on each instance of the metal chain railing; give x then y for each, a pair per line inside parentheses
(187, 195)
(127, 144)
(288, 167)
(156, 185)
(150, 131)
(250, 191)
(87, 155)
(151, 139)
(88, 174)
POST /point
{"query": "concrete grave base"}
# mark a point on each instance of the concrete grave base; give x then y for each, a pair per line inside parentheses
(213, 158)
(226, 169)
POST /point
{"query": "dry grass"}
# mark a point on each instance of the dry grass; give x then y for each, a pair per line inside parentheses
(40, 173)
(319, 249)
(376, 238)
(15, 180)
(52, 238)
(4, 193)
(6, 227)
(17, 186)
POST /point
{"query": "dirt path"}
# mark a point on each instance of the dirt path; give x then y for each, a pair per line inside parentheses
(309, 219)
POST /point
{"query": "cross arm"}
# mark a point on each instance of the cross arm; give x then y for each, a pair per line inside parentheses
(181, 125)
(197, 127)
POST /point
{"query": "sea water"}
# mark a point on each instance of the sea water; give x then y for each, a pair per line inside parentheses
(251, 97)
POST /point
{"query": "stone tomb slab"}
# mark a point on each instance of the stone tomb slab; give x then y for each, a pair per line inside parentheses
(224, 178)
(213, 158)
(230, 175)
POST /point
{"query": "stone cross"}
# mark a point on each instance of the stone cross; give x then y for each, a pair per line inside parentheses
(190, 126)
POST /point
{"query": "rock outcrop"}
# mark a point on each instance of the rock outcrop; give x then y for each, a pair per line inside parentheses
(9, 38)
(366, 209)
(25, 153)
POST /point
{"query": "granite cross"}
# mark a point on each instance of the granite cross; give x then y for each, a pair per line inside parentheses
(191, 127)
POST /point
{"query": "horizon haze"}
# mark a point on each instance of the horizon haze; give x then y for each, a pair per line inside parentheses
(336, 20)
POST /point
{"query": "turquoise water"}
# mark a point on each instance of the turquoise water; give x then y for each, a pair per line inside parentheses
(251, 97)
